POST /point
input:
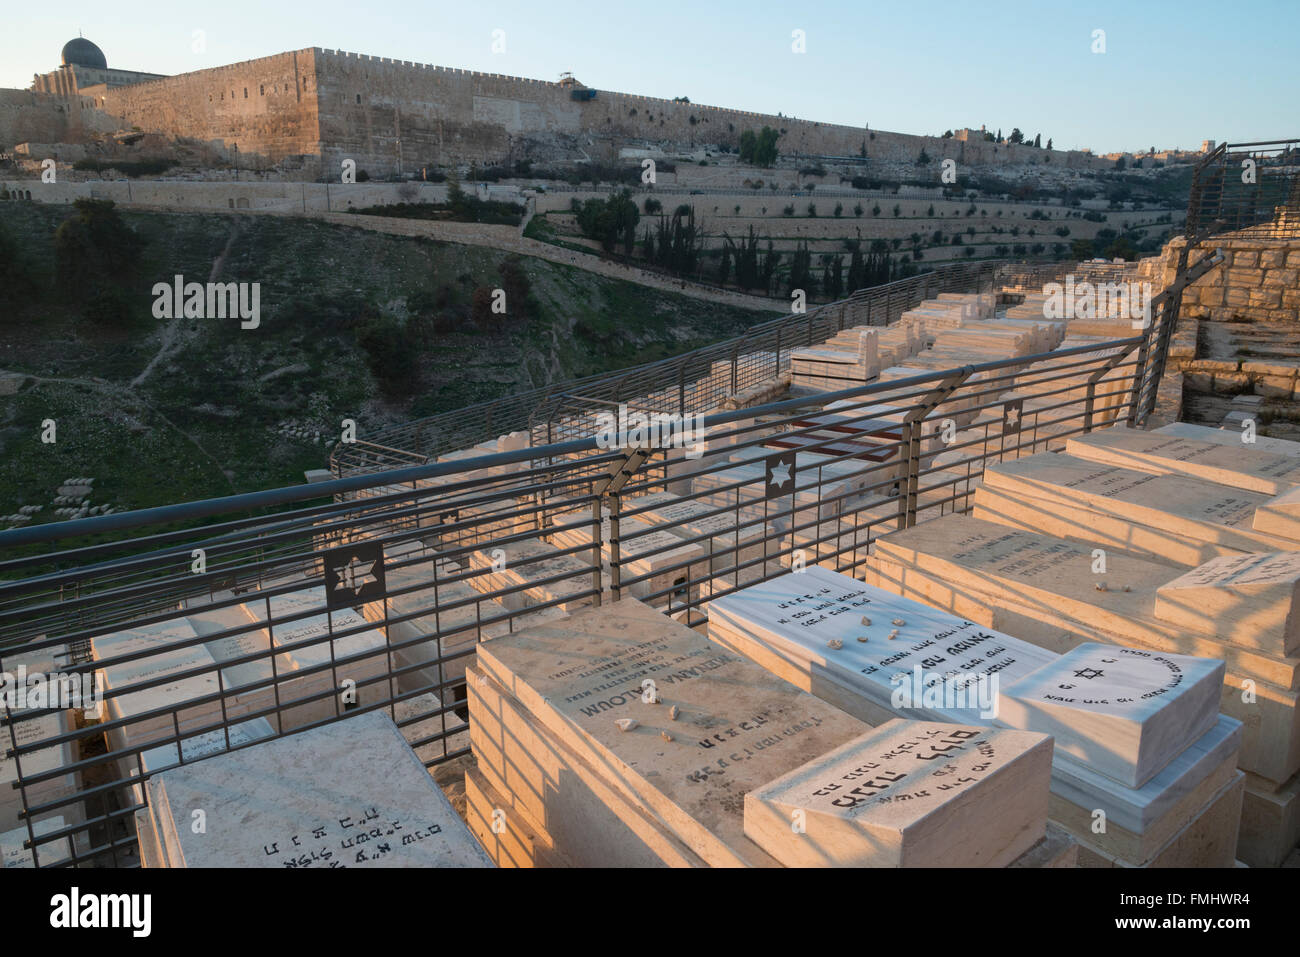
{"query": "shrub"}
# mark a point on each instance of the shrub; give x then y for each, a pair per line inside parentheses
(393, 363)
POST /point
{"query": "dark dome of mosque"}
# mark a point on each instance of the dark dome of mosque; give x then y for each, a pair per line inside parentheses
(81, 52)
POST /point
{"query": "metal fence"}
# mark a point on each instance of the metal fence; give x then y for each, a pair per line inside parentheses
(216, 624)
(695, 381)
(1247, 188)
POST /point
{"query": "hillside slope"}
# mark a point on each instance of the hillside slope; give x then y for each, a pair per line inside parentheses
(160, 410)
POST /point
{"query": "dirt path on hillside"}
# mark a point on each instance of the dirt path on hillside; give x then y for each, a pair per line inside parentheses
(176, 333)
(506, 238)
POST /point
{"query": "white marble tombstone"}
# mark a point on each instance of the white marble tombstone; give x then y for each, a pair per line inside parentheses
(909, 794)
(1124, 712)
(347, 794)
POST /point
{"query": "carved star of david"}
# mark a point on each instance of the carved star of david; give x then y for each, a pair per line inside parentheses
(780, 470)
(1088, 673)
(355, 575)
(1013, 414)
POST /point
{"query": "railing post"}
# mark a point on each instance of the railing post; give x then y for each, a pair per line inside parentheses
(910, 450)
(596, 544)
(618, 477)
(1089, 401)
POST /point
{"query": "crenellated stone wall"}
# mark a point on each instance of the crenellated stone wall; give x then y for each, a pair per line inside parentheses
(393, 115)
(442, 115)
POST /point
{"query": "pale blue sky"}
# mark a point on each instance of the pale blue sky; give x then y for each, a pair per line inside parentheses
(1173, 74)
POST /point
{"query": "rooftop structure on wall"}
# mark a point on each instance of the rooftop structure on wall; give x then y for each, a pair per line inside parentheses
(83, 65)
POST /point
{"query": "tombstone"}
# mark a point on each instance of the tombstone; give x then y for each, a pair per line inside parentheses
(1280, 516)
(1239, 595)
(909, 794)
(506, 835)
(1231, 438)
(351, 657)
(1045, 589)
(1176, 819)
(31, 728)
(810, 623)
(347, 794)
(731, 538)
(650, 560)
(1245, 468)
(434, 623)
(177, 695)
(51, 853)
(735, 727)
(529, 573)
(193, 748)
(1125, 713)
(1189, 507)
(806, 626)
(22, 668)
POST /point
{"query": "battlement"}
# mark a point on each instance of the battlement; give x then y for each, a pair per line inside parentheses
(391, 115)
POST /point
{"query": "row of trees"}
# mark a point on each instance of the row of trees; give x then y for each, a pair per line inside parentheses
(1015, 137)
(759, 149)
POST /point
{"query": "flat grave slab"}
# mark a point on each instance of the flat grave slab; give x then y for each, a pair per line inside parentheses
(164, 661)
(1063, 579)
(1180, 504)
(1230, 437)
(347, 794)
(736, 725)
(1280, 516)
(32, 728)
(802, 614)
(1126, 713)
(13, 854)
(1245, 467)
(755, 629)
(529, 565)
(909, 794)
(1239, 595)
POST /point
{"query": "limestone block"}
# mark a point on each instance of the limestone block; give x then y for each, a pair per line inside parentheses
(349, 793)
(909, 794)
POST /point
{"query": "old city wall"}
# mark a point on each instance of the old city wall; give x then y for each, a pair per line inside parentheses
(661, 121)
(381, 112)
(265, 108)
(384, 113)
(29, 116)
(391, 115)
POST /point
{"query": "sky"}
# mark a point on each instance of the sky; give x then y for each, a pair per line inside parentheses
(1171, 75)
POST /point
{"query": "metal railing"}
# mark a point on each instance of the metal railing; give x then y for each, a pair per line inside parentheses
(373, 591)
(695, 381)
(1252, 189)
